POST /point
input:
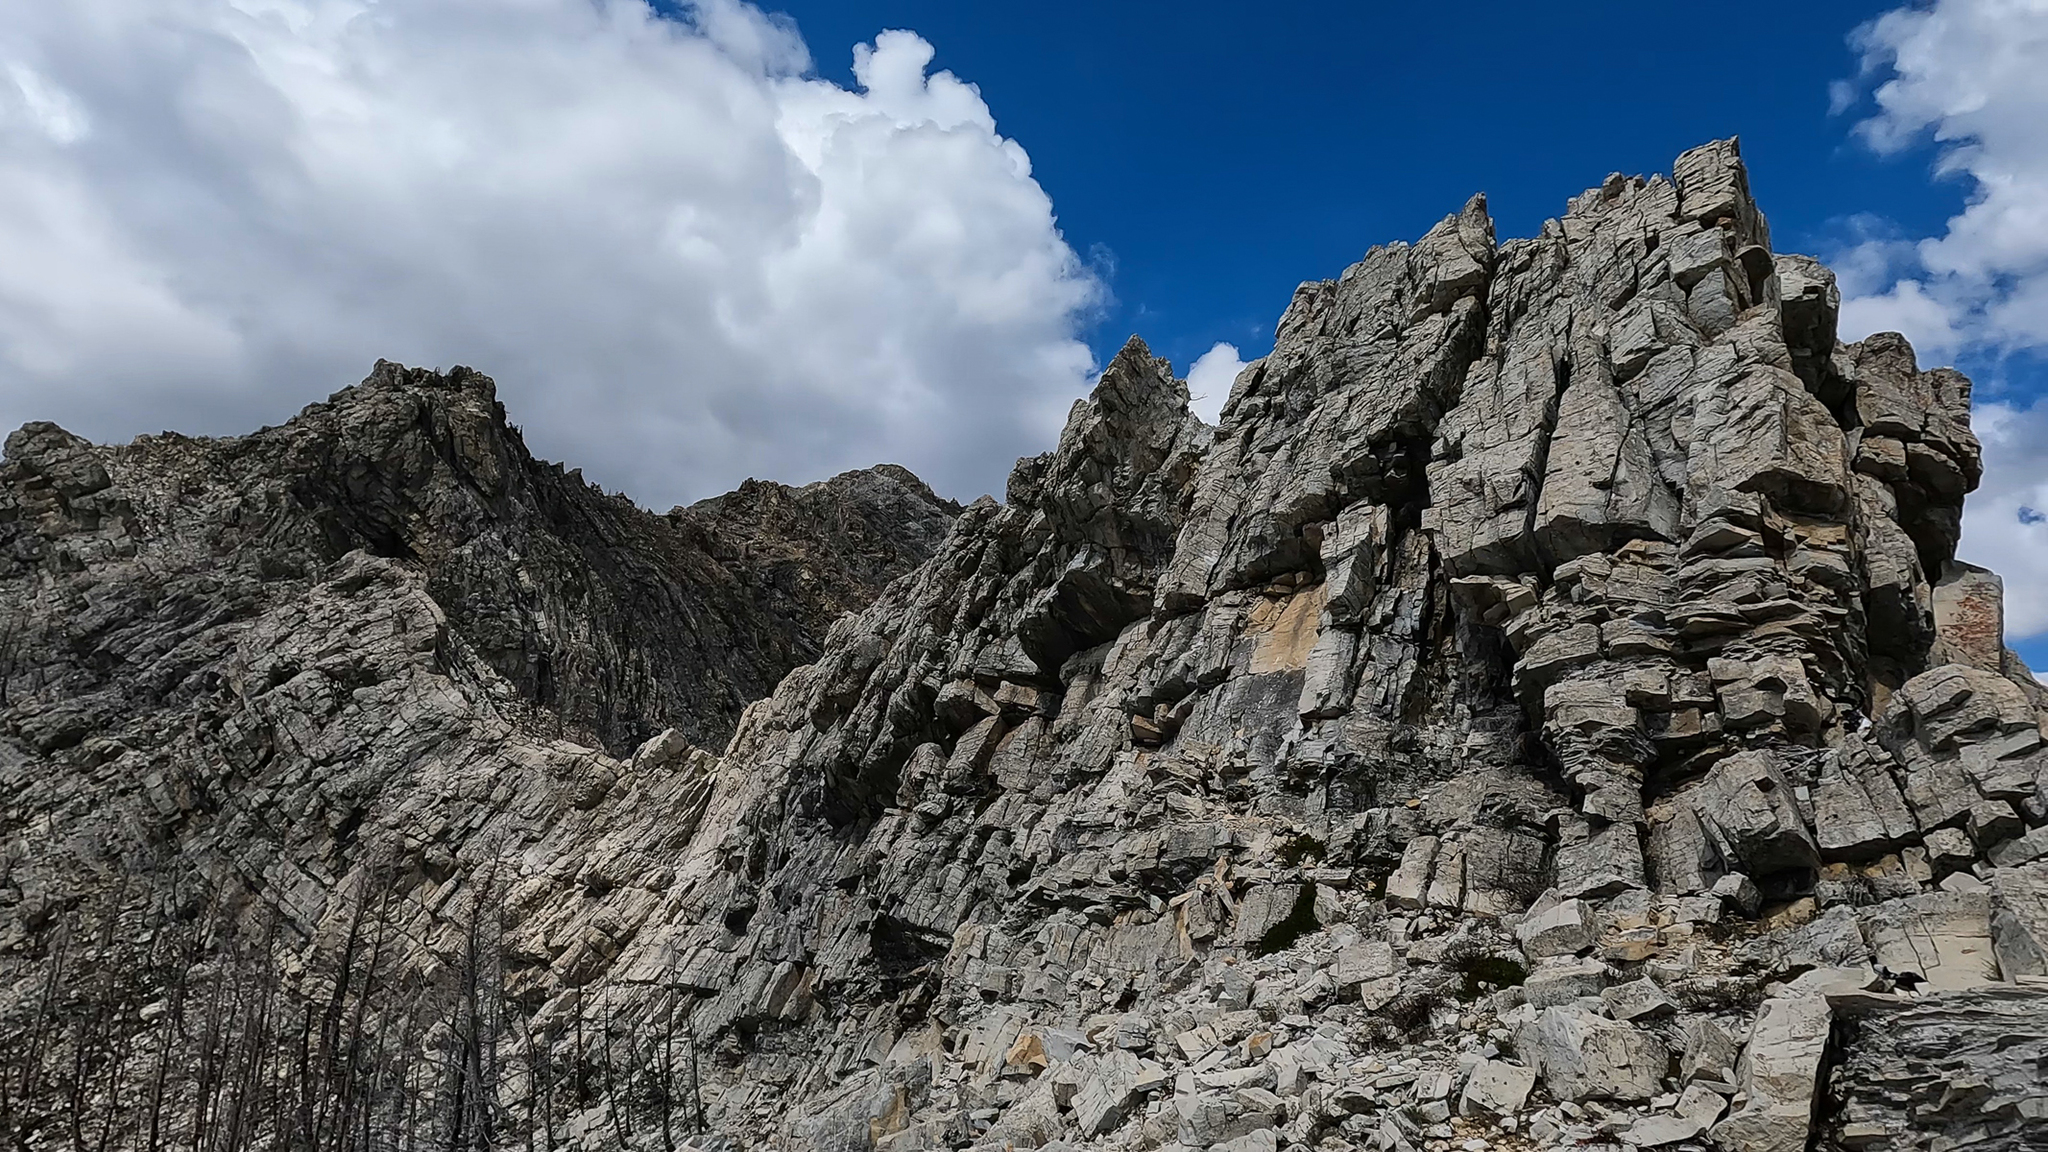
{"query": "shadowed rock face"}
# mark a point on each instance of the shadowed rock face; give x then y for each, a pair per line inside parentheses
(272, 658)
(1553, 666)
(616, 621)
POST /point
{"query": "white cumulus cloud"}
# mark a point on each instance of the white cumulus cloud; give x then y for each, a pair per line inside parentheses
(685, 258)
(1210, 378)
(2005, 522)
(1971, 76)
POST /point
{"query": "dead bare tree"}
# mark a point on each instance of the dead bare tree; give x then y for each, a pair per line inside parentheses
(231, 1029)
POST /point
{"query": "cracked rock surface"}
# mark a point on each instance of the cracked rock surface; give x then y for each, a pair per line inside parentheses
(1546, 710)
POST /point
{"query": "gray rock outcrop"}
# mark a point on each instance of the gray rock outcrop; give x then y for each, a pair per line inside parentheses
(1541, 708)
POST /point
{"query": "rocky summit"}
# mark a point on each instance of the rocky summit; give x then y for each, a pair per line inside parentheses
(1546, 711)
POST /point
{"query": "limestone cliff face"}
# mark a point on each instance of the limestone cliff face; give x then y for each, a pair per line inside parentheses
(1569, 569)
(1541, 710)
(272, 659)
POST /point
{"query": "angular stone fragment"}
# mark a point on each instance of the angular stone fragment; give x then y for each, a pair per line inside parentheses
(1954, 704)
(1781, 1071)
(1447, 879)
(2019, 920)
(1496, 1088)
(1600, 484)
(1969, 616)
(1351, 554)
(1563, 981)
(1709, 1052)
(1580, 1056)
(962, 704)
(1108, 1087)
(1597, 859)
(1566, 928)
(1738, 892)
(1502, 868)
(1409, 884)
(1949, 849)
(1327, 682)
(1377, 994)
(1714, 188)
(1203, 1117)
(2007, 768)
(1019, 701)
(1638, 1000)
(1680, 858)
(1747, 807)
(1991, 823)
(1943, 938)
(1657, 1131)
(1358, 963)
(1811, 305)
(1858, 811)
(1701, 1103)
(1263, 909)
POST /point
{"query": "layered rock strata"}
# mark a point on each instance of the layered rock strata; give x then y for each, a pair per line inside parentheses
(374, 631)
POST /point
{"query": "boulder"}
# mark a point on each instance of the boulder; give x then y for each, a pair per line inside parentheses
(1942, 938)
(1562, 981)
(2019, 920)
(1358, 963)
(1747, 807)
(1656, 1131)
(1581, 1056)
(1780, 1077)
(1565, 929)
(1496, 1088)
(1638, 1000)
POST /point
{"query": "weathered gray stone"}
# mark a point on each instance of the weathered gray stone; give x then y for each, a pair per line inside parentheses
(1747, 807)
(1496, 1088)
(1943, 938)
(1638, 1000)
(1709, 1051)
(1580, 1056)
(1959, 1069)
(1563, 981)
(1949, 849)
(1656, 1131)
(1780, 1076)
(1561, 564)
(1409, 884)
(1358, 963)
(1597, 858)
(1567, 928)
(1739, 892)
(1858, 811)
(2019, 920)
(1108, 1086)
(1947, 707)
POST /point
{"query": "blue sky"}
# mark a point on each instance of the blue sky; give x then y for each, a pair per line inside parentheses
(700, 241)
(1218, 157)
(1207, 160)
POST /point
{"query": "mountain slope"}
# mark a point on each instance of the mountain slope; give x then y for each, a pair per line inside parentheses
(1545, 708)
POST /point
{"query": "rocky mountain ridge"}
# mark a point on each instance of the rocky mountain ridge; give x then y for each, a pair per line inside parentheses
(1545, 710)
